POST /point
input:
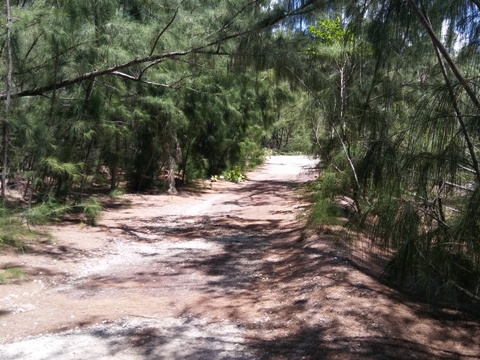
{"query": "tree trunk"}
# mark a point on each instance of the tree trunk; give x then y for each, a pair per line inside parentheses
(114, 164)
(7, 102)
(171, 176)
(343, 99)
(185, 161)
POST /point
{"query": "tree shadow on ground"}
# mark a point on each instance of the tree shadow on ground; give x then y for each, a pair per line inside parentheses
(312, 344)
(309, 292)
(293, 298)
(181, 338)
(308, 299)
(304, 297)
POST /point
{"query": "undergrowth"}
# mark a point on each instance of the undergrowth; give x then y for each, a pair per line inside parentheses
(12, 231)
(15, 223)
(53, 211)
(325, 209)
(11, 274)
(431, 257)
(234, 175)
(92, 209)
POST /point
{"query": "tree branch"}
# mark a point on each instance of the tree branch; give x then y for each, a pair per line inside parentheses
(164, 29)
(156, 59)
(232, 18)
(138, 79)
(94, 74)
(344, 146)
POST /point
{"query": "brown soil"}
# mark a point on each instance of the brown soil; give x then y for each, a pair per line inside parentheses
(226, 272)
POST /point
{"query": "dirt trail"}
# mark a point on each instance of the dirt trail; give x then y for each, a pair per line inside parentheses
(223, 273)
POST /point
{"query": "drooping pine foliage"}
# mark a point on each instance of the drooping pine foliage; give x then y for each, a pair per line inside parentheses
(401, 120)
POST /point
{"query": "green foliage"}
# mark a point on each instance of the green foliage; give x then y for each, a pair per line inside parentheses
(429, 259)
(389, 113)
(12, 231)
(197, 167)
(51, 210)
(48, 211)
(92, 209)
(59, 172)
(116, 193)
(330, 32)
(290, 133)
(325, 209)
(11, 274)
(205, 112)
(332, 183)
(234, 175)
(252, 154)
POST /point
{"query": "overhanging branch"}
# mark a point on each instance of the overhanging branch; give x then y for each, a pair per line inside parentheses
(153, 60)
(94, 74)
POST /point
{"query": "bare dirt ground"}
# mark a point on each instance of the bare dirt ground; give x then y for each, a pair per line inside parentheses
(226, 272)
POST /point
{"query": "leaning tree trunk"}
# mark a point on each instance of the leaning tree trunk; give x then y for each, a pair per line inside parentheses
(438, 44)
(459, 116)
(7, 102)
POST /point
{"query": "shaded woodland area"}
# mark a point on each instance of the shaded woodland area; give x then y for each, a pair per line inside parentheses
(144, 95)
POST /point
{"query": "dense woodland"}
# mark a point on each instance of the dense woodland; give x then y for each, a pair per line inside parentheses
(105, 94)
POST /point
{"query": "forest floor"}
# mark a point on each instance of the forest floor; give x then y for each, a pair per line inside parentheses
(222, 272)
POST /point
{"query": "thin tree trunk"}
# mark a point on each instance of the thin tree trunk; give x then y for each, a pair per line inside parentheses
(173, 156)
(289, 133)
(280, 140)
(28, 193)
(7, 102)
(315, 130)
(343, 99)
(114, 164)
(171, 176)
(185, 161)
(349, 159)
(5, 153)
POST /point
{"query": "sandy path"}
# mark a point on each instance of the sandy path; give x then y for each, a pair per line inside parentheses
(223, 273)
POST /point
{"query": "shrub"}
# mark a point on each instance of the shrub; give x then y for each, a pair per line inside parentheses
(325, 210)
(234, 175)
(48, 211)
(92, 210)
(12, 231)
